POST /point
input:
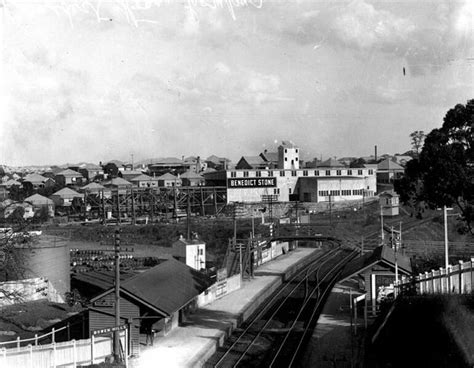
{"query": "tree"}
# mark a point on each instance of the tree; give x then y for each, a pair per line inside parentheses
(443, 174)
(417, 139)
(357, 163)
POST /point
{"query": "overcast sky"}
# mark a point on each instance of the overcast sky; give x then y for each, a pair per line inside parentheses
(97, 80)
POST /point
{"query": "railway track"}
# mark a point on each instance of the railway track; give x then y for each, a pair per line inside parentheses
(277, 332)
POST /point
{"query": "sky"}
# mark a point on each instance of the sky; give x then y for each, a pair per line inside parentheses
(91, 80)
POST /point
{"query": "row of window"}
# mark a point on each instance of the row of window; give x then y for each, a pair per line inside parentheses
(337, 193)
(258, 174)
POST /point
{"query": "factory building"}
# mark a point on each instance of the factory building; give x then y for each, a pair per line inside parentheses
(290, 183)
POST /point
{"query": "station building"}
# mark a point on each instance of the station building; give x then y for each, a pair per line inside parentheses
(289, 182)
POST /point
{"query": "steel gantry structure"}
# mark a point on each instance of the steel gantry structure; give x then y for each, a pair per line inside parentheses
(131, 203)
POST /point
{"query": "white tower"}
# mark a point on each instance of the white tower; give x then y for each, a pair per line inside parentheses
(288, 156)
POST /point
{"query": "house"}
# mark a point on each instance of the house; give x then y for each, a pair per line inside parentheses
(288, 156)
(159, 298)
(91, 171)
(169, 180)
(389, 202)
(251, 162)
(130, 174)
(194, 164)
(145, 181)
(118, 185)
(69, 177)
(192, 179)
(65, 196)
(9, 207)
(388, 170)
(168, 164)
(402, 159)
(191, 252)
(94, 188)
(271, 158)
(218, 163)
(39, 202)
(33, 182)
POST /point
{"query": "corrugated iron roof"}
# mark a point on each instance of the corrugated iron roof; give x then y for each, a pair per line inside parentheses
(67, 193)
(38, 199)
(69, 172)
(388, 164)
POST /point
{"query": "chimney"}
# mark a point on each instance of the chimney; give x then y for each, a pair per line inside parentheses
(375, 152)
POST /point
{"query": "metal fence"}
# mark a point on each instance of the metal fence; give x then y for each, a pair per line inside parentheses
(458, 279)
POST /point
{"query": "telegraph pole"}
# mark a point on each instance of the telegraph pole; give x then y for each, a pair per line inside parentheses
(117, 294)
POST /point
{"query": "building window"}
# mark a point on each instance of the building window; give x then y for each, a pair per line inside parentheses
(349, 172)
(282, 173)
(346, 192)
(276, 191)
(371, 172)
(316, 172)
(324, 193)
(305, 172)
(270, 173)
(246, 174)
(296, 150)
(286, 150)
(293, 173)
(289, 190)
(233, 174)
(338, 172)
(258, 174)
(286, 158)
(328, 172)
(360, 172)
(296, 158)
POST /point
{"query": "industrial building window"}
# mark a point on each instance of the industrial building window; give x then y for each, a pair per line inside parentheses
(282, 173)
(360, 172)
(371, 172)
(316, 172)
(328, 172)
(349, 172)
(296, 158)
(305, 172)
(276, 191)
(233, 174)
(258, 174)
(293, 173)
(289, 190)
(270, 173)
(286, 150)
(246, 174)
(296, 150)
(335, 192)
(286, 158)
(346, 192)
(324, 193)
(338, 172)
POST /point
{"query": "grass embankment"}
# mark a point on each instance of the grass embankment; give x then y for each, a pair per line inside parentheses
(426, 331)
(27, 319)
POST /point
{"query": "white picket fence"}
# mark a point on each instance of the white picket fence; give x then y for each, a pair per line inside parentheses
(63, 354)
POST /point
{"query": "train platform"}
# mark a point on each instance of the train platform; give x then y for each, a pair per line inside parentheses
(194, 342)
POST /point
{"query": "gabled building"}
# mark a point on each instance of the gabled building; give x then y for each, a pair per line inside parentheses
(169, 180)
(69, 177)
(271, 158)
(39, 202)
(168, 164)
(91, 171)
(218, 163)
(192, 179)
(145, 181)
(34, 182)
(288, 156)
(388, 171)
(251, 162)
(65, 196)
(130, 174)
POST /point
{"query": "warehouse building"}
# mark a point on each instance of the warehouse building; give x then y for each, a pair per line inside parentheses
(288, 182)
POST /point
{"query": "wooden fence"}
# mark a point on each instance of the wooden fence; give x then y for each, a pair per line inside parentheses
(64, 354)
(455, 279)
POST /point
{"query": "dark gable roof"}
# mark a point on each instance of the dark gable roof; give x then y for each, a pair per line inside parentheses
(388, 164)
(168, 286)
(382, 254)
(270, 156)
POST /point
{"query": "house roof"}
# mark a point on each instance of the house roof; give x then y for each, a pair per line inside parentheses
(169, 286)
(191, 175)
(92, 186)
(69, 172)
(388, 164)
(168, 161)
(167, 176)
(118, 182)
(381, 254)
(34, 178)
(330, 163)
(216, 159)
(143, 177)
(67, 193)
(89, 166)
(388, 193)
(37, 199)
(101, 279)
(269, 156)
(254, 160)
(11, 182)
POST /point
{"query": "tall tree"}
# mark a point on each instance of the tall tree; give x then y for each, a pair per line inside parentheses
(444, 172)
(417, 139)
